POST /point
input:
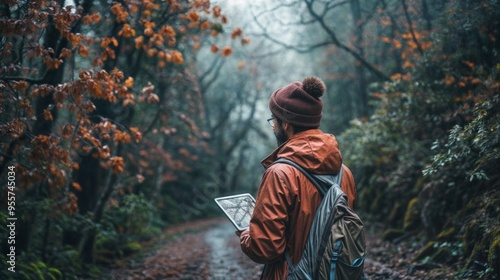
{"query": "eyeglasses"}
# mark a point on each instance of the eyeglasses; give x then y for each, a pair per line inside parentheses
(271, 121)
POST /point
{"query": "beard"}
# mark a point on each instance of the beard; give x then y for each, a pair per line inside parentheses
(280, 135)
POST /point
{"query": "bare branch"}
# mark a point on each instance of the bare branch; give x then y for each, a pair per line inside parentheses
(331, 5)
(408, 19)
(244, 127)
(299, 49)
(332, 37)
(215, 66)
(344, 47)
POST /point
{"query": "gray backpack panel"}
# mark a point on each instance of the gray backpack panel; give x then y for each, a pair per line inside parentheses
(335, 247)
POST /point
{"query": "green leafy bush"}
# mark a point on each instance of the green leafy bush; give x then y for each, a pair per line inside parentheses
(128, 220)
(435, 136)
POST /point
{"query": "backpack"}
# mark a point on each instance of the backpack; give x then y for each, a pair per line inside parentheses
(335, 247)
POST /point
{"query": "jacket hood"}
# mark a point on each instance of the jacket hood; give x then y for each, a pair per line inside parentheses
(315, 151)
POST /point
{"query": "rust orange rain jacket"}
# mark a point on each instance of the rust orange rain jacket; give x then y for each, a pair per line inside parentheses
(287, 201)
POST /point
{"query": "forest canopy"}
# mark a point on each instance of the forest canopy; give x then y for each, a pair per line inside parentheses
(121, 118)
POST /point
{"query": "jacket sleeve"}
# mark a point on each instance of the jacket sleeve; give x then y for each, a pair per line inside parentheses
(265, 239)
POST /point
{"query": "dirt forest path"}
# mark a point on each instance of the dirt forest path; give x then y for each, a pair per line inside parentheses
(209, 249)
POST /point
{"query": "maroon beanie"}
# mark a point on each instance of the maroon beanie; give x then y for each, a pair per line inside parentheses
(299, 103)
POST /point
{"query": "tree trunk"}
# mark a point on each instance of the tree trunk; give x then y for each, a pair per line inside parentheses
(362, 92)
(427, 16)
(87, 244)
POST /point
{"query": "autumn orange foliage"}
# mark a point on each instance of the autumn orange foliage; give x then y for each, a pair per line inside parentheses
(80, 85)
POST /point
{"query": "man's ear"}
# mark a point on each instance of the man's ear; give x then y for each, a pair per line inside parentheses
(288, 128)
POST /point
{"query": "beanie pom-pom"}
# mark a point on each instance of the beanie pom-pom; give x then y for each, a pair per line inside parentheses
(314, 86)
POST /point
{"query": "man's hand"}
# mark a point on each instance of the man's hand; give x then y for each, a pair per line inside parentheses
(240, 232)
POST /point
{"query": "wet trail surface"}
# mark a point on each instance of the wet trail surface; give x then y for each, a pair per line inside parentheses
(209, 249)
(227, 260)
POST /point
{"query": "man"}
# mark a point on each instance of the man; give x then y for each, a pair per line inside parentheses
(287, 201)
